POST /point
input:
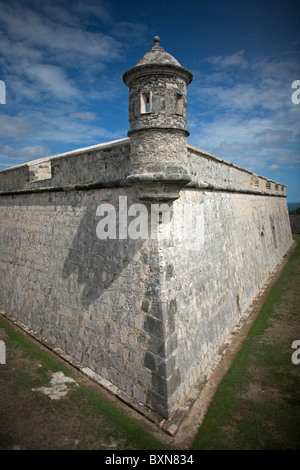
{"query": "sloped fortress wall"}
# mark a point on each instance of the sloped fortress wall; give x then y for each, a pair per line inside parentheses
(148, 315)
(80, 292)
(213, 276)
(138, 257)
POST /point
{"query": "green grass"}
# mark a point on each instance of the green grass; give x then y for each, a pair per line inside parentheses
(83, 414)
(270, 418)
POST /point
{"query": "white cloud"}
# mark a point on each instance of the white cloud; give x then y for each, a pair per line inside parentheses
(85, 115)
(24, 24)
(248, 142)
(52, 80)
(277, 69)
(22, 153)
(54, 60)
(55, 125)
(246, 117)
(14, 126)
(99, 10)
(286, 158)
(242, 95)
(230, 60)
(47, 50)
(273, 138)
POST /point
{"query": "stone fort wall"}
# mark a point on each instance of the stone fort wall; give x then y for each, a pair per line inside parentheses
(148, 315)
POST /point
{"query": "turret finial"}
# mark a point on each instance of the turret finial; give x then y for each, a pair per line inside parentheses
(156, 40)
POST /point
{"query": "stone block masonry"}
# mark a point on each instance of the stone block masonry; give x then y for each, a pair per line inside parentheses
(148, 314)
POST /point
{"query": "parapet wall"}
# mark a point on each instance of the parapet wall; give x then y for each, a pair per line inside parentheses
(210, 172)
(147, 314)
(104, 163)
(107, 165)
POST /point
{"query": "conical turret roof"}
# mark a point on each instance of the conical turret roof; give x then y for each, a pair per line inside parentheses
(157, 60)
(157, 55)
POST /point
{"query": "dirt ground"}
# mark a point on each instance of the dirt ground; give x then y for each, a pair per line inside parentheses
(43, 408)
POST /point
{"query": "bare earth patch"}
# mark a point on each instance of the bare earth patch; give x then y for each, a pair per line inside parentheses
(58, 387)
(258, 394)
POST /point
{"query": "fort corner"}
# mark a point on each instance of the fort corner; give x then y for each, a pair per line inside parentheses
(147, 314)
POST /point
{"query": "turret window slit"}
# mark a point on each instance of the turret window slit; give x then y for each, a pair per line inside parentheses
(146, 102)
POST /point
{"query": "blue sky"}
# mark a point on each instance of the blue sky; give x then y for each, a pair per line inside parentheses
(62, 63)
